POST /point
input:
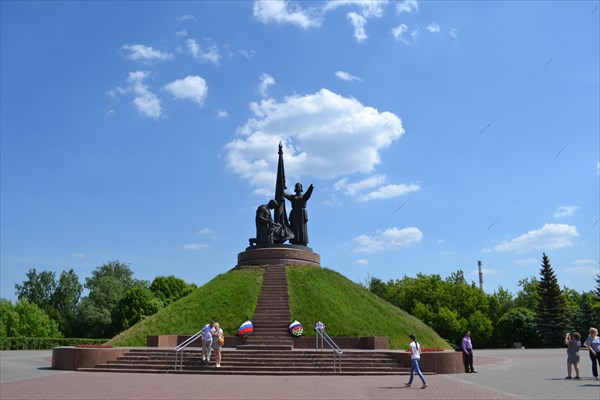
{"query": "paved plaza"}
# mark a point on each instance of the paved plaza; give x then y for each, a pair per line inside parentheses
(502, 374)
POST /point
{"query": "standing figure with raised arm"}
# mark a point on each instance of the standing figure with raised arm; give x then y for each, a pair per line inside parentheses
(298, 215)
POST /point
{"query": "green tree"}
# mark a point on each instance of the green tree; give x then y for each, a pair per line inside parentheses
(518, 325)
(552, 322)
(481, 328)
(169, 288)
(65, 299)
(588, 314)
(138, 303)
(528, 296)
(38, 288)
(34, 322)
(107, 285)
(9, 319)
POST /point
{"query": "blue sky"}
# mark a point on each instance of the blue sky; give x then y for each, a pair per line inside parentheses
(437, 134)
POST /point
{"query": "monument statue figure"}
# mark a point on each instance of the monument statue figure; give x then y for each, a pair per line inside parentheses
(298, 215)
(265, 226)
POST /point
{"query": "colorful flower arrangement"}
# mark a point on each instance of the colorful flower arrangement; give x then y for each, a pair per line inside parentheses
(296, 329)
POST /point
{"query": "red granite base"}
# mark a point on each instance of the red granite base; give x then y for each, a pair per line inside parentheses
(279, 255)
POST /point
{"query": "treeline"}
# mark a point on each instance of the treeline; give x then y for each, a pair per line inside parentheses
(539, 315)
(48, 307)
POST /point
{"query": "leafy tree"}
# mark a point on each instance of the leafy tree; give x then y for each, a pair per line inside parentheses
(551, 312)
(107, 285)
(34, 322)
(448, 324)
(9, 319)
(65, 300)
(588, 314)
(58, 299)
(528, 296)
(138, 303)
(38, 288)
(518, 325)
(169, 288)
(481, 328)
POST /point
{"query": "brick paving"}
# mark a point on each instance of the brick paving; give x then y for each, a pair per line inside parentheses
(503, 374)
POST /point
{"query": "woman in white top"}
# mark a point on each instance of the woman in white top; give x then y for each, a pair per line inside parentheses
(217, 334)
(415, 356)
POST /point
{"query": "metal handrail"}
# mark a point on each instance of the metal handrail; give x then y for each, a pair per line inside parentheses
(337, 352)
(179, 348)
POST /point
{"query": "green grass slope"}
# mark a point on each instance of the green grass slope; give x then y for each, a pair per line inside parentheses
(349, 309)
(229, 298)
(346, 308)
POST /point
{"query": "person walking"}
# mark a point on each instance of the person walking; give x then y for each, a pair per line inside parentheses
(467, 351)
(217, 343)
(593, 344)
(573, 343)
(207, 341)
(415, 357)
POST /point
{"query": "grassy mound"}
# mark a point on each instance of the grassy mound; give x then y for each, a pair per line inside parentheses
(349, 309)
(229, 298)
(346, 308)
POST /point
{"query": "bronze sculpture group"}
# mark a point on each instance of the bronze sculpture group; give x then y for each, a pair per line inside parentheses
(277, 230)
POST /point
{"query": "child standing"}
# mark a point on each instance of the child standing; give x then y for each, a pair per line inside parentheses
(573, 344)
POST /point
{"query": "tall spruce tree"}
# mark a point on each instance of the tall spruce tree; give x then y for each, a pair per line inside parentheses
(551, 310)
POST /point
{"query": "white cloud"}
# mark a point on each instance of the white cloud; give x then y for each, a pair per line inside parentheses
(358, 22)
(247, 53)
(78, 255)
(146, 102)
(194, 246)
(549, 237)
(356, 189)
(407, 6)
(398, 33)
(202, 54)
(145, 54)
(527, 262)
(205, 231)
(389, 239)
(192, 88)
(281, 11)
(325, 135)
(266, 80)
(222, 113)
(433, 27)
(565, 211)
(343, 75)
(453, 33)
(585, 267)
(598, 168)
(182, 33)
(368, 9)
(187, 17)
(362, 261)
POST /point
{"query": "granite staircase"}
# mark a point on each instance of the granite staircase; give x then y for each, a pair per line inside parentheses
(272, 314)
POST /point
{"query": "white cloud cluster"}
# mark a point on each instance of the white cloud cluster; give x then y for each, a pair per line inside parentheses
(146, 102)
(358, 189)
(358, 22)
(194, 246)
(266, 80)
(192, 88)
(283, 11)
(433, 28)
(407, 6)
(208, 53)
(145, 54)
(548, 237)
(389, 239)
(325, 135)
(565, 211)
(345, 76)
(586, 267)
